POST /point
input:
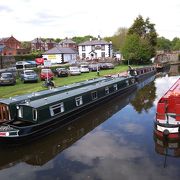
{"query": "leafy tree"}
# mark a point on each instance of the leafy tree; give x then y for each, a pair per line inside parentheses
(80, 39)
(176, 44)
(164, 44)
(118, 38)
(141, 34)
(136, 50)
(26, 44)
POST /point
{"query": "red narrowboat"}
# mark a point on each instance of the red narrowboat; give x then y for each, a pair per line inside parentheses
(167, 122)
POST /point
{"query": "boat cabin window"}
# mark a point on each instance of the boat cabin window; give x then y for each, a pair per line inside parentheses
(94, 95)
(106, 90)
(79, 101)
(34, 114)
(127, 82)
(115, 87)
(20, 112)
(56, 109)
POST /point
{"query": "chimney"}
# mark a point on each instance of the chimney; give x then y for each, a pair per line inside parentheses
(99, 38)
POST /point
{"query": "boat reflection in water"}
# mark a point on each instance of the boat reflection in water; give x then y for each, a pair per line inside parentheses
(166, 147)
(45, 149)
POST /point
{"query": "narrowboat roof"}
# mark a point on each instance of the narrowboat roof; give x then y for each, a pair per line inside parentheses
(71, 93)
(44, 93)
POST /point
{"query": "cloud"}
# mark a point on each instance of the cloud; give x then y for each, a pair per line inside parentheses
(5, 9)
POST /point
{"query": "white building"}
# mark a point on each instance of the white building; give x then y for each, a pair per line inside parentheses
(94, 49)
(60, 55)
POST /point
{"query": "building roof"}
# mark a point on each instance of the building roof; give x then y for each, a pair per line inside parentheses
(67, 41)
(94, 42)
(2, 40)
(61, 50)
(37, 40)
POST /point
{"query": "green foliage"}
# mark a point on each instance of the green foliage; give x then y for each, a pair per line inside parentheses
(118, 39)
(136, 50)
(25, 57)
(176, 44)
(140, 43)
(80, 39)
(163, 44)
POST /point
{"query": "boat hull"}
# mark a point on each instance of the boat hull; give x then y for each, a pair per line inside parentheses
(30, 133)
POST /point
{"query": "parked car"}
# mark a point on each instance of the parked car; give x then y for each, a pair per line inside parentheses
(22, 64)
(93, 67)
(7, 79)
(46, 74)
(74, 70)
(62, 72)
(84, 68)
(106, 66)
(31, 64)
(29, 76)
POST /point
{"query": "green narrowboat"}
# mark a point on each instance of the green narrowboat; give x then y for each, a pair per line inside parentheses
(36, 117)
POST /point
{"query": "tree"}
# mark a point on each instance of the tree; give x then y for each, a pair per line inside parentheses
(176, 44)
(80, 39)
(164, 44)
(145, 34)
(136, 50)
(118, 38)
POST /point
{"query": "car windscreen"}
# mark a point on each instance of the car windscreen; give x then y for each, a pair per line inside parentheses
(29, 72)
(6, 75)
(46, 71)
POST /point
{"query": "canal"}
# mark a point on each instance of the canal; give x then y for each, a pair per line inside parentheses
(115, 141)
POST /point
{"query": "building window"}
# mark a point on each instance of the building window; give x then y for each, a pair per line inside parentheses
(103, 47)
(92, 47)
(20, 112)
(83, 48)
(34, 114)
(115, 87)
(94, 95)
(83, 55)
(79, 101)
(106, 90)
(56, 109)
(102, 54)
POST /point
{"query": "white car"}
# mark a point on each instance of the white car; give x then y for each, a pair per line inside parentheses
(84, 68)
(74, 70)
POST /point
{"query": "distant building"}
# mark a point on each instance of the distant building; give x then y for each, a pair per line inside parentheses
(68, 43)
(38, 44)
(60, 54)
(95, 49)
(9, 46)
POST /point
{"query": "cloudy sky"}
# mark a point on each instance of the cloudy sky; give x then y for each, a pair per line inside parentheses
(28, 19)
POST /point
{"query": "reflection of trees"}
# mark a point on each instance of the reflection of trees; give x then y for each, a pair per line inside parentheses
(144, 98)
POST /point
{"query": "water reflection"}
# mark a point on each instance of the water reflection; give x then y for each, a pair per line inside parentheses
(174, 70)
(166, 147)
(144, 98)
(45, 149)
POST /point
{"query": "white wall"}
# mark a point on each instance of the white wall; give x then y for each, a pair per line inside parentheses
(54, 58)
(88, 49)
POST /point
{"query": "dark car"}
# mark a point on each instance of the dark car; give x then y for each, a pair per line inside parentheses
(94, 67)
(106, 66)
(62, 72)
(7, 79)
(29, 76)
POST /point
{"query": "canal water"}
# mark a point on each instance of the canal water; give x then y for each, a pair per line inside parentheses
(115, 141)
